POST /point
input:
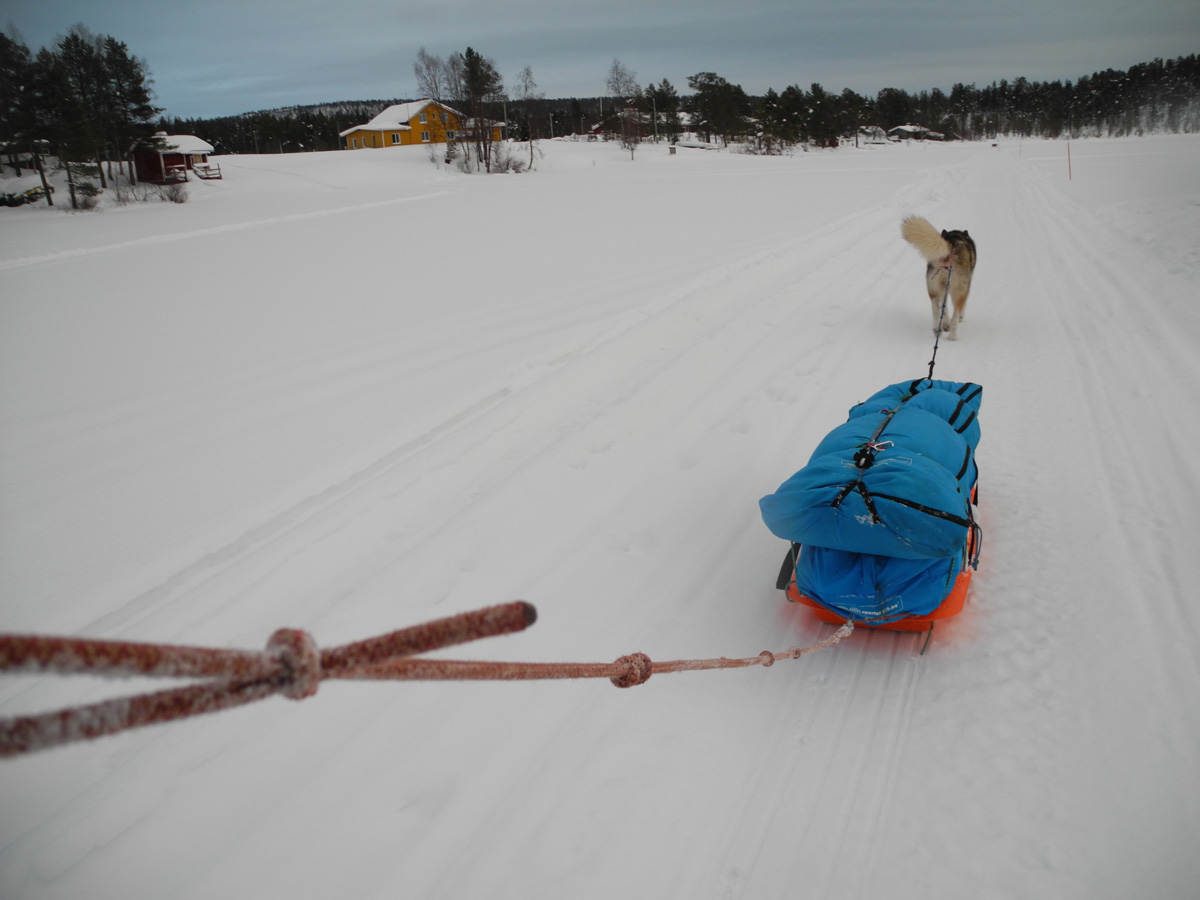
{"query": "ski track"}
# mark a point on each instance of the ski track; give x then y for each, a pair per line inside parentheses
(147, 244)
(792, 780)
(677, 317)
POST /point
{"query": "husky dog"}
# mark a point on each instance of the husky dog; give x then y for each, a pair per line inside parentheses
(949, 255)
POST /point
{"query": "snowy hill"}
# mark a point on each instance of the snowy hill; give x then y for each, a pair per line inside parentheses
(349, 392)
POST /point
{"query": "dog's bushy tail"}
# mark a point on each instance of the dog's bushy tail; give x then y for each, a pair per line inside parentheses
(927, 239)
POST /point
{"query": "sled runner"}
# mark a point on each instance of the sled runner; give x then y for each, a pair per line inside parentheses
(881, 519)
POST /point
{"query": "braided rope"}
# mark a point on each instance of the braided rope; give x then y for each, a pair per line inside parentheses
(628, 671)
(293, 665)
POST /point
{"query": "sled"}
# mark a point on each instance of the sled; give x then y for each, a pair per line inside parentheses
(952, 605)
(880, 520)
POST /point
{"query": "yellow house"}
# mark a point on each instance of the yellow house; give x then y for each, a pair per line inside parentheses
(405, 124)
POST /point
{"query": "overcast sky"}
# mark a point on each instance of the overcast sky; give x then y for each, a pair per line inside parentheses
(221, 57)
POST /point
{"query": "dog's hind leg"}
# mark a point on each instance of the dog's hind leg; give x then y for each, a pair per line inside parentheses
(960, 289)
(941, 321)
(935, 282)
(952, 317)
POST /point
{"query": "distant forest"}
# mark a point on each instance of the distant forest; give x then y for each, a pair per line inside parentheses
(1153, 97)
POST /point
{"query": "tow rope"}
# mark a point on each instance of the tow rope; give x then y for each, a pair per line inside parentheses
(293, 665)
(941, 317)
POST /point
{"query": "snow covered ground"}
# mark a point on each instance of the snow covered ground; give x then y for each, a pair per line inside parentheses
(351, 392)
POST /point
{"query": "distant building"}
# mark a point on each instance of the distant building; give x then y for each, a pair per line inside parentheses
(914, 133)
(420, 122)
(170, 157)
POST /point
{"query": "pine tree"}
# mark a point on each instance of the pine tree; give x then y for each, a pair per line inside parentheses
(480, 89)
(718, 107)
(664, 107)
(127, 86)
(16, 70)
(85, 114)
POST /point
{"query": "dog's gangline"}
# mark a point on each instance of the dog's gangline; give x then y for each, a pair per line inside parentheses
(937, 335)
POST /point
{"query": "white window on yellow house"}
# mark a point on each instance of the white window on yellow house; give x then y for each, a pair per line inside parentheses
(445, 119)
(424, 117)
(354, 141)
(425, 136)
(395, 137)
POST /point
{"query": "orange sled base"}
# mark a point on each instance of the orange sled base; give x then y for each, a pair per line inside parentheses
(951, 606)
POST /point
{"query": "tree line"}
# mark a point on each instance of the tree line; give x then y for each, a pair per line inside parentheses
(88, 98)
(1150, 97)
(299, 129)
(1158, 96)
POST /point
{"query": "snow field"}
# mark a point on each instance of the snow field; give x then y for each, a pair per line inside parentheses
(350, 392)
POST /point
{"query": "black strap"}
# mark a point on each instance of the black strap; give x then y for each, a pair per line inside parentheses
(843, 494)
(866, 495)
(929, 510)
(966, 465)
(788, 568)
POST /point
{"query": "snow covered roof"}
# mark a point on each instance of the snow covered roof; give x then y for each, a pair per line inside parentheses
(917, 131)
(185, 143)
(396, 117)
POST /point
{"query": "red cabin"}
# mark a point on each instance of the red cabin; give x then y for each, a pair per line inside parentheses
(172, 157)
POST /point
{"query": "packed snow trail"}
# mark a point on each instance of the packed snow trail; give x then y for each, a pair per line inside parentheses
(349, 430)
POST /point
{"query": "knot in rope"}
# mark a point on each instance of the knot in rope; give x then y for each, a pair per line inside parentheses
(638, 670)
(301, 659)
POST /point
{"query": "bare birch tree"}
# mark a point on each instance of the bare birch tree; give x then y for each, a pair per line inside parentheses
(527, 92)
(471, 85)
(623, 88)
